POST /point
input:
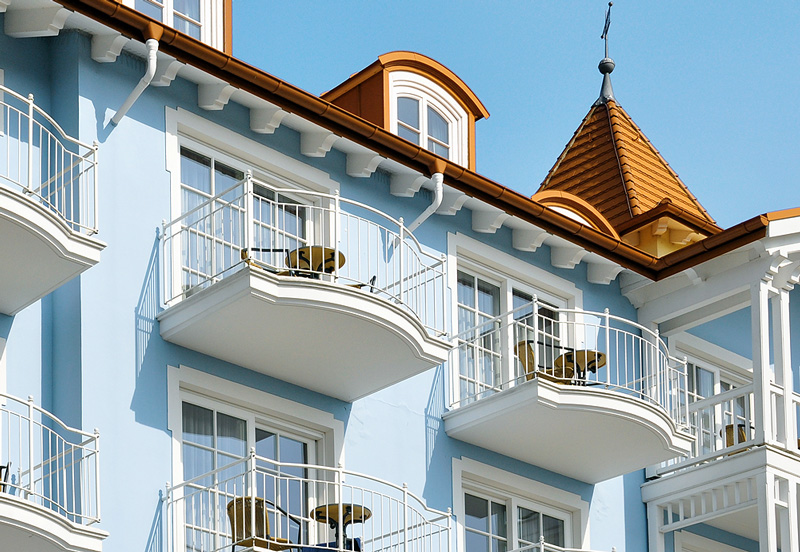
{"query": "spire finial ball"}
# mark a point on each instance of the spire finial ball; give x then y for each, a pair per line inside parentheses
(606, 66)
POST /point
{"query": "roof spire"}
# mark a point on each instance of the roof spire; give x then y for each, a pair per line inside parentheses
(606, 65)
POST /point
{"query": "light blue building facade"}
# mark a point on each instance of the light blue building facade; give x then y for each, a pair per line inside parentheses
(247, 317)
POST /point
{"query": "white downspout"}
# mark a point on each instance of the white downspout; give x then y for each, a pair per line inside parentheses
(152, 50)
(438, 193)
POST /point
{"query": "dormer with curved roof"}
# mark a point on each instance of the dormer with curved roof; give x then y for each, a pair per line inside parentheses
(418, 99)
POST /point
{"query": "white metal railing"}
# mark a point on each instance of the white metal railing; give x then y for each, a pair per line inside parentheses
(50, 167)
(721, 425)
(568, 346)
(50, 464)
(542, 546)
(254, 501)
(300, 233)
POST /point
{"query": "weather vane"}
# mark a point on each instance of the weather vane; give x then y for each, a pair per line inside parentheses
(604, 36)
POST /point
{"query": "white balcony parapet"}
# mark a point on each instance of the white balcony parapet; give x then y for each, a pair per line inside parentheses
(540, 341)
(53, 466)
(721, 425)
(542, 546)
(298, 233)
(213, 512)
(47, 165)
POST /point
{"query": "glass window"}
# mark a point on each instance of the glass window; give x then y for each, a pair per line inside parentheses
(486, 523)
(184, 15)
(546, 343)
(411, 125)
(479, 351)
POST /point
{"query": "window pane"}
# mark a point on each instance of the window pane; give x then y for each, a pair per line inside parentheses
(488, 298)
(477, 542)
(189, 8)
(187, 27)
(498, 545)
(196, 461)
(466, 290)
(266, 444)
(149, 8)
(198, 425)
(196, 170)
(408, 111)
(439, 149)
(410, 135)
(437, 126)
(231, 435)
(225, 177)
(528, 525)
(553, 530)
(498, 519)
(476, 510)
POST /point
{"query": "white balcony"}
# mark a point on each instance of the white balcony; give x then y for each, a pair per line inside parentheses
(48, 204)
(588, 395)
(260, 504)
(323, 292)
(49, 489)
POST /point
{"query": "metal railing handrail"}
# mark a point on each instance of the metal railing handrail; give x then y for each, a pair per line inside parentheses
(542, 546)
(44, 454)
(66, 180)
(722, 397)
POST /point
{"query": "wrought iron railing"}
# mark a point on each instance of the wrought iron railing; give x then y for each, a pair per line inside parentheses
(43, 162)
(49, 463)
(304, 234)
(262, 503)
(567, 346)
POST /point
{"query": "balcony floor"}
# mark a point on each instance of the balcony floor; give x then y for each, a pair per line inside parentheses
(40, 252)
(587, 433)
(330, 338)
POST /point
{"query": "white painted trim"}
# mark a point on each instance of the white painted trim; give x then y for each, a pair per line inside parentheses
(266, 163)
(689, 542)
(414, 85)
(705, 352)
(512, 485)
(186, 382)
(3, 369)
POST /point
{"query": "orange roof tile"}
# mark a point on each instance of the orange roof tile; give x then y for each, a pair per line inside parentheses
(612, 165)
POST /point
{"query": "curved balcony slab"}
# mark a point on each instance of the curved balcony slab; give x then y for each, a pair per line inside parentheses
(40, 251)
(331, 338)
(584, 432)
(28, 526)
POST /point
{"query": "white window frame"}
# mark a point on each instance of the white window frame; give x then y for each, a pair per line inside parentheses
(473, 477)
(212, 24)
(477, 258)
(413, 85)
(258, 408)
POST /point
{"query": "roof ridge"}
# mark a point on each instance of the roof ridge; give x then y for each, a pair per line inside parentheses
(667, 166)
(631, 197)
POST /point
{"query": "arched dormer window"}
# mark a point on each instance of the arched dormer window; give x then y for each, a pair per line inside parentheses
(422, 112)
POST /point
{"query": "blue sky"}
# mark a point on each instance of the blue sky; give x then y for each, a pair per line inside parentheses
(713, 85)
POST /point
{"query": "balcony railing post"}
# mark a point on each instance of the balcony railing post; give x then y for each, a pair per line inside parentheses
(541, 543)
(337, 222)
(248, 214)
(536, 361)
(340, 502)
(30, 445)
(405, 517)
(251, 482)
(402, 233)
(686, 390)
(96, 474)
(449, 529)
(96, 218)
(608, 344)
(30, 143)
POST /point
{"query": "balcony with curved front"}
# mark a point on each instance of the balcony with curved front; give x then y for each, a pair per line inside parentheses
(48, 203)
(314, 289)
(257, 503)
(49, 481)
(585, 394)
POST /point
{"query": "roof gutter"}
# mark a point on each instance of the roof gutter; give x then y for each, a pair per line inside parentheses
(239, 74)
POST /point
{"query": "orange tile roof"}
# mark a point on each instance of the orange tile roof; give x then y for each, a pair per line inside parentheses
(612, 165)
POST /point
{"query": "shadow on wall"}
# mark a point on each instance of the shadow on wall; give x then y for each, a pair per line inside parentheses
(437, 460)
(156, 538)
(149, 402)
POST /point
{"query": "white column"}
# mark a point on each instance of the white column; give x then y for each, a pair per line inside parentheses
(759, 316)
(794, 517)
(654, 521)
(781, 344)
(765, 490)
